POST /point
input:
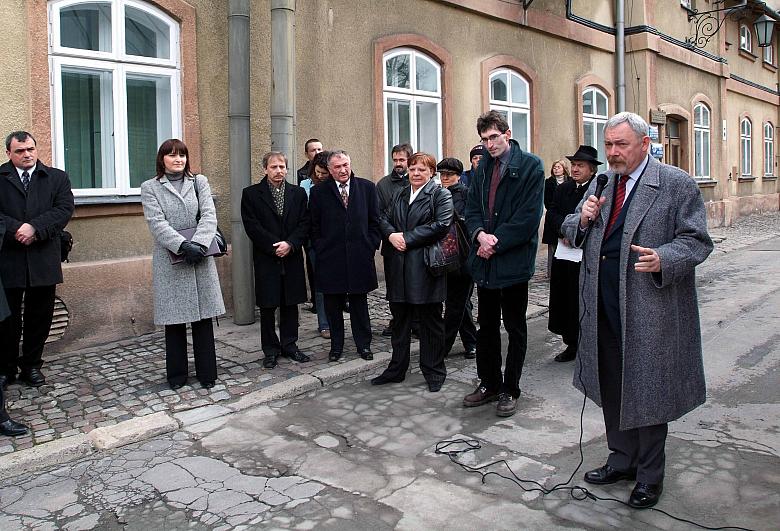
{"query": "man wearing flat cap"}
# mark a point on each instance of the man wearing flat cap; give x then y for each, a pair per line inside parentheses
(565, 274)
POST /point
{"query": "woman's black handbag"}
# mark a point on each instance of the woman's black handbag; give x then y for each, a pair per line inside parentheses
(219, 238)
(443, 256)
(66, 245)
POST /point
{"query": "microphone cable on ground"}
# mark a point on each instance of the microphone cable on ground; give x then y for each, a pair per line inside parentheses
(454, 448)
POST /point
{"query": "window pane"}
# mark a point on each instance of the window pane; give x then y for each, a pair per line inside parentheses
(86, 26)
(148, 123)
(519, 90)
(519, 127)
(398, 125)
(672, 129)
(146, 35)
(88, 128)
(601, 104)
(590, 139)
(427, 75)
(587, 102)
(602, 150)
(397, 71)
(428, 127)
(498, 87)
(706, 154)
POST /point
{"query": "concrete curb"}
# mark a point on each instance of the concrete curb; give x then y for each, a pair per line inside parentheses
(52, 453)
(132, 430)
(292, 387)
(342, 371)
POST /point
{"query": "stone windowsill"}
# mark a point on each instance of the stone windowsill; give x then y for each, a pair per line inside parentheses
(769, 177)
(706, 183)
(748, 55)
(769, 66)
(746, 179)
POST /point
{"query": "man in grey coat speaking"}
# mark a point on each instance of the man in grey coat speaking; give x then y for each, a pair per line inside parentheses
(639, 354)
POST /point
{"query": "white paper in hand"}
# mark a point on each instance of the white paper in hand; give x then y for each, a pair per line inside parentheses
(564, 252)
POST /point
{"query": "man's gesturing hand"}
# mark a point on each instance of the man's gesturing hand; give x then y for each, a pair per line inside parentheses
(649, 261)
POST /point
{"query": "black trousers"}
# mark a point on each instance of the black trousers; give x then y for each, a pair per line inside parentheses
(310, 276)
(431, 330)
(3, 413)
(202, 347)
(288, 330)
(640, 448)
(38, 313)
(360, 321)
(457, 312)
(510, 303)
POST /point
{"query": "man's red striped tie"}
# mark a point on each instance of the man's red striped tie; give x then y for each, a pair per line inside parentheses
(617, 206)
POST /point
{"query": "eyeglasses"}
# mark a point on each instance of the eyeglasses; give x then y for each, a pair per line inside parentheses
(492, 138)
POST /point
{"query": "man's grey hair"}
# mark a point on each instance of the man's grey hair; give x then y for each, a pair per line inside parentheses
(274, 154)
(634, 121)
(336, 153)
(20, 136)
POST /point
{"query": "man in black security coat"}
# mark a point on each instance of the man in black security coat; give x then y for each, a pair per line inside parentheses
(345, 236)
(564, 314)
(36, 203)
(276, 219)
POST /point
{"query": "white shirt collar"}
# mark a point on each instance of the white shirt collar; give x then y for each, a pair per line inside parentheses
(20, 171)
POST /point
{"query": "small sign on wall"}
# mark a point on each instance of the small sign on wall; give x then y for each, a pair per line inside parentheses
(653, 133)
(657, 150)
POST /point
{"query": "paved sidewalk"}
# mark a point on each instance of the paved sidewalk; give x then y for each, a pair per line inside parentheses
(111, 383)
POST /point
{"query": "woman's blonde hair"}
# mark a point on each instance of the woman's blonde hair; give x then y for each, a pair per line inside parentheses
(565, 164)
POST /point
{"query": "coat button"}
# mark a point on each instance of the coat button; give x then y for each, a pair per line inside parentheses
(603, 257)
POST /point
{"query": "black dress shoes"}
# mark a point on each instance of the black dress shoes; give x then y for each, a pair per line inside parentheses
(207, 385)
(387, 332)
(382, 379)
(434, 387)
(11, 428)
(297, 355)
(470, 353)
(6, 380)
(567, 355)
(335, 355)
(269, 361)
(32, 377)
(176, 385)
(607, 475)
(645, 495)
(366, 353)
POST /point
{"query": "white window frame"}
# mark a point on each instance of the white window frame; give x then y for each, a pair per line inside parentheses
(701, 130)
(598, 120)
(413, 96)
(769, 149)
(745, 38)
(769, 54)
(508, 106)
(746, 146)
(120, 65)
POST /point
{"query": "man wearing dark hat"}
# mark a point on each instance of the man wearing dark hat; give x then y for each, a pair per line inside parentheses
(475, 156)
(564, 274)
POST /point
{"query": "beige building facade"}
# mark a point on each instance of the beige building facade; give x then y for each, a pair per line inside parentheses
(101, 83)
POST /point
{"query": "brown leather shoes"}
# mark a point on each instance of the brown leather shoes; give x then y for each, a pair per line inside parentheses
(479, 397)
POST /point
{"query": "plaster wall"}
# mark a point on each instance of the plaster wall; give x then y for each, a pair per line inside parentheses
(14, 69)
(599, 11)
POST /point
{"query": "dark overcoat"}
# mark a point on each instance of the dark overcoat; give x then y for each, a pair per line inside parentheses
(4, 310)
(516, 215)
(345, 240)
(265, 227)
(563, 316)
(550, 185)
(426, 221)
(663, 372)
(47, 206)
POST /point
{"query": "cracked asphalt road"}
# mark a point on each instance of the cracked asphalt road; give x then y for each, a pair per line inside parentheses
(353, 456)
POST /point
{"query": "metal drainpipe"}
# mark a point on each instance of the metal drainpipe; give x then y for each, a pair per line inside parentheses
(620, 54)
(240, 158)
(283, 92)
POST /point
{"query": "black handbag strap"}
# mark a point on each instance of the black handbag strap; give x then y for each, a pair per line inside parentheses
(197, 198)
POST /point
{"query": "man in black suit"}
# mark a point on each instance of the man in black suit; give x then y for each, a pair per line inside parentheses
(276, 219)
(345, 236)
(563, 317)
(36, 203)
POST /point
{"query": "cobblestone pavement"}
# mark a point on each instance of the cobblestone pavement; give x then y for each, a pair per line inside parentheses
(103, 385)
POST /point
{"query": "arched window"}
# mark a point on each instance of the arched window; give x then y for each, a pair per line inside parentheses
(769, 54)
(595, 112)
(412, 101)
(745, 38)
(116, 76)
(509, 95)
(746, 146)
(769, 149)
(701, 141)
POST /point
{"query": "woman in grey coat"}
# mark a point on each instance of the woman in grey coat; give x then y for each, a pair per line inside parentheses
(188, 291)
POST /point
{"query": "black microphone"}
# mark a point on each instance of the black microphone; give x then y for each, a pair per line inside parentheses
(601, 183)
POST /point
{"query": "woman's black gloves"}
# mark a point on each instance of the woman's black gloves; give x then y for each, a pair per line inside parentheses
(193, 252)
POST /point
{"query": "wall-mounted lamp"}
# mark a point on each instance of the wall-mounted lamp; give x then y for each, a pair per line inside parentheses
(708, 23)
